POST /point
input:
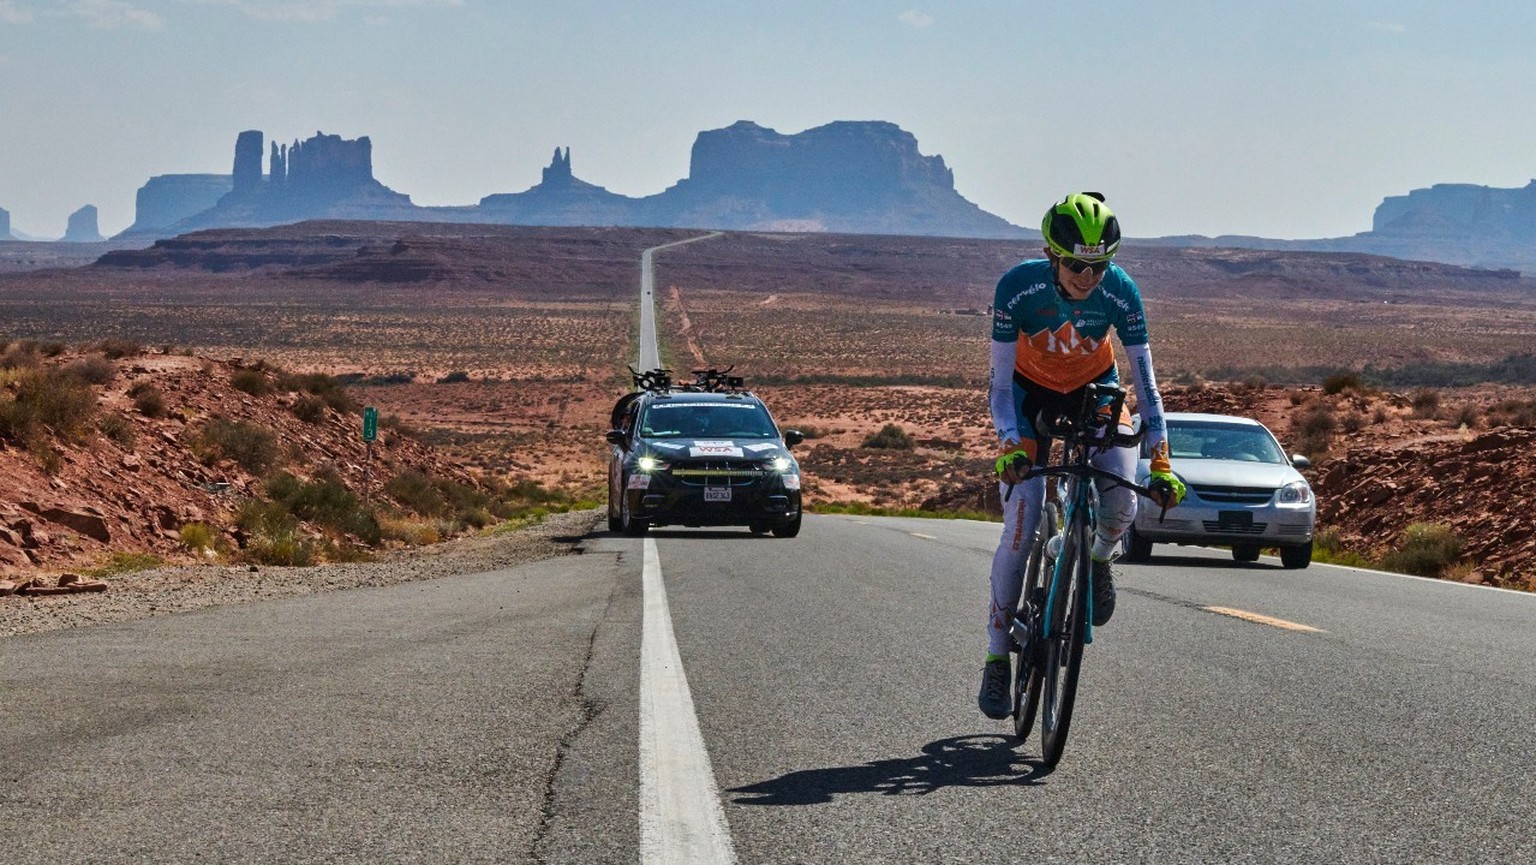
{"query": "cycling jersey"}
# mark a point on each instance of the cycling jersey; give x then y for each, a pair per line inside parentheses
(1043, 339)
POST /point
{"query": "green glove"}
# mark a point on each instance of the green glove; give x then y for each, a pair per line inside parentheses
(1011, 453)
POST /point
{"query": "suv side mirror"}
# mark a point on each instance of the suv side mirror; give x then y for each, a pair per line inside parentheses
(1300, 461)
(793, 437)
(615, 437)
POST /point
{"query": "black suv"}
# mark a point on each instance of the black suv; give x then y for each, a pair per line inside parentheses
(701, 454)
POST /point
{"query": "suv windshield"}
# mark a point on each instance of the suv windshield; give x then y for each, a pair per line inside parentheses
(707, 420)
(1219, 441)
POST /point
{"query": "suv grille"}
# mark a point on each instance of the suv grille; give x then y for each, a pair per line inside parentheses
(718, 474)
(1234, 495)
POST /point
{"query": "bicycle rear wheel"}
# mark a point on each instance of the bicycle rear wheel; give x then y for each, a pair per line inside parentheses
(1063, 651)
(1037, 575)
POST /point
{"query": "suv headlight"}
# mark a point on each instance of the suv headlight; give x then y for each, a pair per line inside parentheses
(781, 464)
(651, 464)
(1295, 493)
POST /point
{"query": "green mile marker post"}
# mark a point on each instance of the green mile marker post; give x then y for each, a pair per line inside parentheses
(370, 432)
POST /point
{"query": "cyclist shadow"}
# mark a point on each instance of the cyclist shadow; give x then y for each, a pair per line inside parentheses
(962, 761)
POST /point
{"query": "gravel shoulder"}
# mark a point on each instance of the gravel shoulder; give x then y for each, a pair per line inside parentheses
(163, 591)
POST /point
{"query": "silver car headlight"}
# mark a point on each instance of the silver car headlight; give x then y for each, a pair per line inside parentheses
(1294, 493)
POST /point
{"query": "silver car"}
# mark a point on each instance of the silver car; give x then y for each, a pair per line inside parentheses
(1243, 492)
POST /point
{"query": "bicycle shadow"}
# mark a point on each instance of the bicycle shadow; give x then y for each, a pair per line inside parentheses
(962, 761)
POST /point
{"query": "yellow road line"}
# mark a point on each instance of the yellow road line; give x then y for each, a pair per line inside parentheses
(1262, 620)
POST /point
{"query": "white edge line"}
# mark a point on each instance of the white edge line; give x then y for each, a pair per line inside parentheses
(681, 818)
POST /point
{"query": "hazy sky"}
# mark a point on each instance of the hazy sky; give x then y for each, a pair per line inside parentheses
(1282, 119)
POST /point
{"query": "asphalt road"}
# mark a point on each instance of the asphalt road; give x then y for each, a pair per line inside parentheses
(496, 717)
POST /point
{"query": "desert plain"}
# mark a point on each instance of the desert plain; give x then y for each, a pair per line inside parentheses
(501, 350)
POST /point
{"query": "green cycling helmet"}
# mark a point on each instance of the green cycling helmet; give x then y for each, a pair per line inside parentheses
(1082, 226)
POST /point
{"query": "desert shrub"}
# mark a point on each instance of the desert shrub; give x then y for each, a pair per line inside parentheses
(250, 446)
(1426, 403)
(95, 369)
(1314, 429)
(891, 437)
(1380, 415)
(416, 491)
(1467, 416)
(309, 409)
(1427, 549)
(1297, 397)
(1340, 382)
(118, 349)
(273, 536)
(1513, 412)
(325, 501)
(1353, 422)
(198, 537)
(118, 428)
(147, 399)
(456, 377)
(288, 549)
(460, 505)
(251, 381)
(1328, 546)
(1255, 382)
(20, 355)
(410, 532)
(49, 398)
(326, 387)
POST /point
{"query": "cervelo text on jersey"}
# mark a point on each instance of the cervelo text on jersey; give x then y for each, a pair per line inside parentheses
(1065, 343)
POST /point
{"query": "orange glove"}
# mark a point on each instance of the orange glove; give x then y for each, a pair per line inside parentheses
(1164, 482)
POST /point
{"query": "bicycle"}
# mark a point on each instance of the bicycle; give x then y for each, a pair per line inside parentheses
(1054, 619)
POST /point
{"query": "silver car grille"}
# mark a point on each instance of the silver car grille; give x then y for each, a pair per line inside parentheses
(1218, 527)
(1233, 495)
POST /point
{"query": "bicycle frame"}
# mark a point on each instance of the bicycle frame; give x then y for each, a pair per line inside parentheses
(1052, 630)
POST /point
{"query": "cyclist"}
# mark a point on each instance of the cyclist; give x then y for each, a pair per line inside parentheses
(1050, 339)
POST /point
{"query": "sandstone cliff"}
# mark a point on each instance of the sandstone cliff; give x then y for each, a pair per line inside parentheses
(850, 176)
(83, 226)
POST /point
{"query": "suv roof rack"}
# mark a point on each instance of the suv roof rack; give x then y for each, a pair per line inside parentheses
(710, 380)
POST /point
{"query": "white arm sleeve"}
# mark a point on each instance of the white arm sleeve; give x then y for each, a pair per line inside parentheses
(1000, 393)
(1149, 402)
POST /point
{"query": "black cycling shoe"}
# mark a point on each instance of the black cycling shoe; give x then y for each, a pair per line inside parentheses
(1103, 593)
(994, 700)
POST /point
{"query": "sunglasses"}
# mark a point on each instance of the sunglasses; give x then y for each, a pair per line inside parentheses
(1077, 265)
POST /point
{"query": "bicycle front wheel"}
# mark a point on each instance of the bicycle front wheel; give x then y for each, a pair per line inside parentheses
(1063, 654)
(1037, 575)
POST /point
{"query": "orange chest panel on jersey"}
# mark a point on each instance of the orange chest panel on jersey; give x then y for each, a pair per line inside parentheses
(1062, 359)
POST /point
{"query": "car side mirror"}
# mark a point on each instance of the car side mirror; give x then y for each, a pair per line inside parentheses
(793, 437)
(1300, 461)
(615, 437)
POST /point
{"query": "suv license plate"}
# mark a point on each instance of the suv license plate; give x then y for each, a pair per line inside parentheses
(717, 494)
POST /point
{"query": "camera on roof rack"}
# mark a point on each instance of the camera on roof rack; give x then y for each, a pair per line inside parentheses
(715, 380)
(658, 380)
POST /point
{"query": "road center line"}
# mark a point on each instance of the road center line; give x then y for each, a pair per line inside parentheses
(681, 819)
(1262, 620)
(923, 536)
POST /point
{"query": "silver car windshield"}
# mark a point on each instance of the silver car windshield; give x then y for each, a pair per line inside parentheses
(696, 420)
(1219, 441)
